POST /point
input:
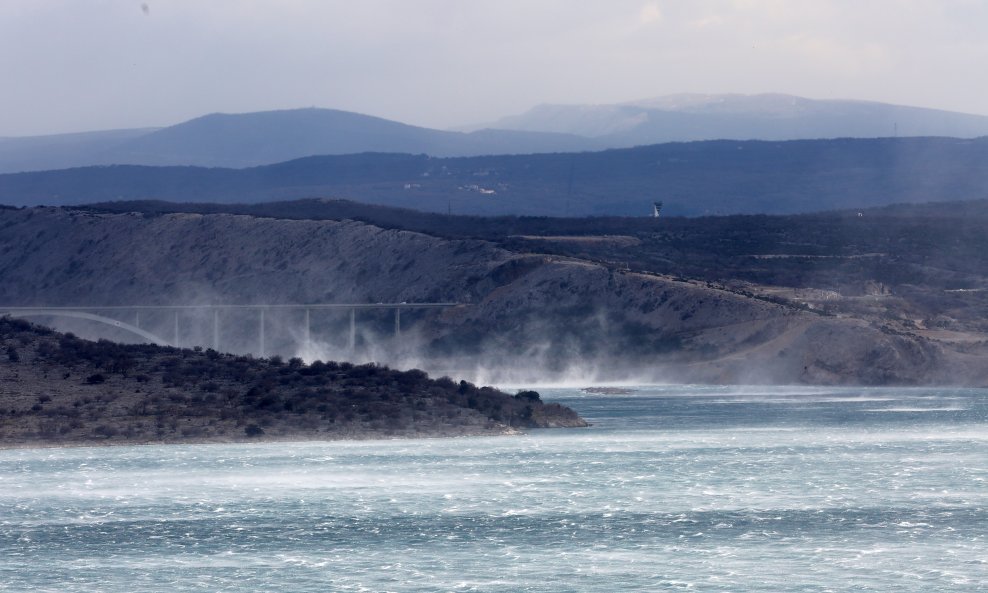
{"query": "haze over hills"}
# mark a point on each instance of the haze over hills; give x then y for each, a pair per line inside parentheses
(61, 151)
(685, 117)
(242, 140)
(251, 139)
(713, 177)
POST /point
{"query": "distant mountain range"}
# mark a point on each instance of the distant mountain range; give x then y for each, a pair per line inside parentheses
(685, 117)
(60, 151)
(695, 178)
(252, 139)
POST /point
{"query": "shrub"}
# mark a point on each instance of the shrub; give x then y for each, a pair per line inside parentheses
(106, 430)
(532, 396)
(95, 379)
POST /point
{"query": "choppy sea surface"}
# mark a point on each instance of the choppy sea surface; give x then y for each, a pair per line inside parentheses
(673, 488)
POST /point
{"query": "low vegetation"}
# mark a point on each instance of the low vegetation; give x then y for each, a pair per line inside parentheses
(59, 389)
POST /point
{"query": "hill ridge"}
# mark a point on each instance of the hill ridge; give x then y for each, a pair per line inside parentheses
(766, 116)
(239, 140)
(691, 178)
(676, 304)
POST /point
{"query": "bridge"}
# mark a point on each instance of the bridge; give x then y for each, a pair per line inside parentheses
(129, 318)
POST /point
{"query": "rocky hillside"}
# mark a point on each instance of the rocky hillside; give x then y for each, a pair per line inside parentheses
(691, 179)
(525, 316)
(59, 389)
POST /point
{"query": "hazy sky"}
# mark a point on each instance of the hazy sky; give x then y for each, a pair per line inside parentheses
(72, 65)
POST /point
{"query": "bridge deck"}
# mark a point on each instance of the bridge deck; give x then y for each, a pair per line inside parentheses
(87, 312)
(250, 307)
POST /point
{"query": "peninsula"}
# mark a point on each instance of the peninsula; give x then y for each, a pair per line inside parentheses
(58, 389)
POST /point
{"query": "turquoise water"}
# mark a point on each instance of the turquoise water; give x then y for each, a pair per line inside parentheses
(673, 488)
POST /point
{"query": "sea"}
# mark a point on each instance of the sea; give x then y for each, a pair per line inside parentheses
(673, 488)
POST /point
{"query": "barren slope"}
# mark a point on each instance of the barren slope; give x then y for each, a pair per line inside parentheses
(527, 315)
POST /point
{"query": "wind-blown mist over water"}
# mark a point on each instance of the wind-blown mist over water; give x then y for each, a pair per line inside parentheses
(708, 489)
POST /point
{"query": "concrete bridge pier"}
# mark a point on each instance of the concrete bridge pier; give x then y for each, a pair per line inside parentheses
(197, 334)
(216, 329)
(307, 334)
(261, 334)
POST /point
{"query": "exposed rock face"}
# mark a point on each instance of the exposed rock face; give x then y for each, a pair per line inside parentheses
(529, 316)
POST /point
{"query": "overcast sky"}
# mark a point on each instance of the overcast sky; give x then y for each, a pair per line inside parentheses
(74, 65)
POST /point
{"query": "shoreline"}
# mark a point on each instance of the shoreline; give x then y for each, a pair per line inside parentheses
(506, 432)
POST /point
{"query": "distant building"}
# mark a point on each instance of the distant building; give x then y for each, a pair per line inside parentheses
(656, 209)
